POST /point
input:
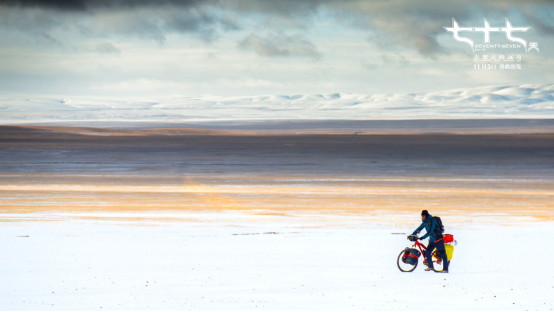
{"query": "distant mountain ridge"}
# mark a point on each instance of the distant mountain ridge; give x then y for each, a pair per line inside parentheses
(523, 101)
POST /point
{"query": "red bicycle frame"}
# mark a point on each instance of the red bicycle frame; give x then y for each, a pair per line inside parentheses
(422, 249)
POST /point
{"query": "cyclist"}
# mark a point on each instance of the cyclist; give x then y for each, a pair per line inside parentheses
(435, 241)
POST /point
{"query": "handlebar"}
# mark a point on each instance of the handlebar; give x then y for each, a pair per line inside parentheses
(412, 238)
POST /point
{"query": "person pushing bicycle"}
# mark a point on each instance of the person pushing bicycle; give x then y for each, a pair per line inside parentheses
(436, 240)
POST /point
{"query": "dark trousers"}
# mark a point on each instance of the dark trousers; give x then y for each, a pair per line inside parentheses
(440, 247)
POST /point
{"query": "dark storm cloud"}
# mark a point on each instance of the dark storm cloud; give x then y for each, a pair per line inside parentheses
(62, 4)
(406, 23)
(146, 19)
(83, 5)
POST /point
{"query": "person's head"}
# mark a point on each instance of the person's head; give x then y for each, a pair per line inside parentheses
(424, 214)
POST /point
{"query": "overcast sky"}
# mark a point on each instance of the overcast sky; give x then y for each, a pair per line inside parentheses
(246, 47)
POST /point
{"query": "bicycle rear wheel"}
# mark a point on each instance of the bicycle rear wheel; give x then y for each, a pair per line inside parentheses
(405, 267)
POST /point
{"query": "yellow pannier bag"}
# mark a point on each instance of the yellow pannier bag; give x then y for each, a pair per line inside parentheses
(449, 252)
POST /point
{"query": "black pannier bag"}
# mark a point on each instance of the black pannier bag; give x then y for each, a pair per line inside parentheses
(413, 256)
(405, 255)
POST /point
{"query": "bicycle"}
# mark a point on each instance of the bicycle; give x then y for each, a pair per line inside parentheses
(408, 258)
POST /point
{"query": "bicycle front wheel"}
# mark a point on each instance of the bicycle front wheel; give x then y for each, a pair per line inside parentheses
(405, 267)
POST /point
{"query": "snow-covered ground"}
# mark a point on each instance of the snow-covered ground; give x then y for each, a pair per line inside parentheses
(524, 101)
(95, 264)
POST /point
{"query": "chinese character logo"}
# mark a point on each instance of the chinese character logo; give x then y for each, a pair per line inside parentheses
(487, 30)
(508, 30)
(455, 29)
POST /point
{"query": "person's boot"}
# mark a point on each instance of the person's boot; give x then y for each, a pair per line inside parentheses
(441, 271)
(429, 269)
